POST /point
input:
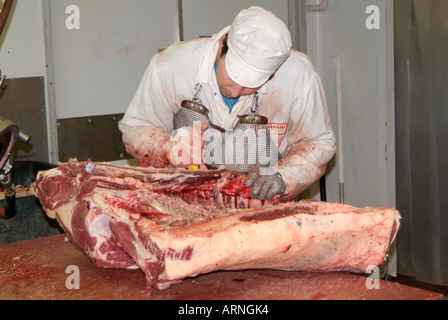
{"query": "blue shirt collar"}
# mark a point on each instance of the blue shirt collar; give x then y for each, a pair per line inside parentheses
(230, 102)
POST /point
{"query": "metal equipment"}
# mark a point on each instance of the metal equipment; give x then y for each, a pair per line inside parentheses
(9, 133)
(191, 111)
(248, 145)
(8, 137)
(252, 143)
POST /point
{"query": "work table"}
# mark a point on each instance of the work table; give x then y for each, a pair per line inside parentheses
(40, 268)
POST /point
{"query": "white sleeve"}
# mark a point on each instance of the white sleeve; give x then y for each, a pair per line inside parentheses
(148, 121)
(311, 140)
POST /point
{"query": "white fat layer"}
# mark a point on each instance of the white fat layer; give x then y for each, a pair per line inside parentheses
(64, 215)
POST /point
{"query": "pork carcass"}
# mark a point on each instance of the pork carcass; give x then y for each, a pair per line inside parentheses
(174, 223)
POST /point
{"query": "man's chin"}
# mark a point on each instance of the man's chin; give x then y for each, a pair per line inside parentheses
(229, 96)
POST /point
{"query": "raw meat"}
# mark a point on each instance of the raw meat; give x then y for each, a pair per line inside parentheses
(174, 224)
(180, 195)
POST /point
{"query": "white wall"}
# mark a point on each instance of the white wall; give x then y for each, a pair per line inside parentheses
(94, 70)
(208, 17)
(22, 44)
(367, 100)
(367, 97)
(22, 48)
(98, 67)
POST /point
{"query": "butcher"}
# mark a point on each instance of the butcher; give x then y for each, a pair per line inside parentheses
(252, 57)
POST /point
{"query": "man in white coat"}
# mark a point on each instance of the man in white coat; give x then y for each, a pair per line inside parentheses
(253, 55)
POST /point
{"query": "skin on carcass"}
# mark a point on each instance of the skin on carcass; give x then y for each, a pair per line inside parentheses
(174, 224)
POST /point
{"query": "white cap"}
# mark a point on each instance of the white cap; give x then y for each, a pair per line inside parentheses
(259, 43)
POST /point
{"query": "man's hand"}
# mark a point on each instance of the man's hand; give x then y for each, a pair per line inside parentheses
(265, 183)
(187, 146)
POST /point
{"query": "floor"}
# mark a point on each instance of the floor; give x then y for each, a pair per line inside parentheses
(412, 282)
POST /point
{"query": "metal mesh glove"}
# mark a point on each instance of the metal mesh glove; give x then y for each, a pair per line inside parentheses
(187, 118)
(265, 183)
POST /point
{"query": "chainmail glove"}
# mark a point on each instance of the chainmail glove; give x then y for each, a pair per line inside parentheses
(265, 183)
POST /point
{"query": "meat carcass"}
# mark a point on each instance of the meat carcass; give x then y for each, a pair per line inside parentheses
(177, 195)
(174, 224)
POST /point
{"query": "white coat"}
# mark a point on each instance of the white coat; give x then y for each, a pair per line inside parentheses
(293, 101)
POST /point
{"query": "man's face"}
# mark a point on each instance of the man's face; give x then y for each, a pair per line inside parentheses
(227, 86)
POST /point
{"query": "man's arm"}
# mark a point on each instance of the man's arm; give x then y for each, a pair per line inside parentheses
(313, 142)
(148, 146)
(147, 123)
